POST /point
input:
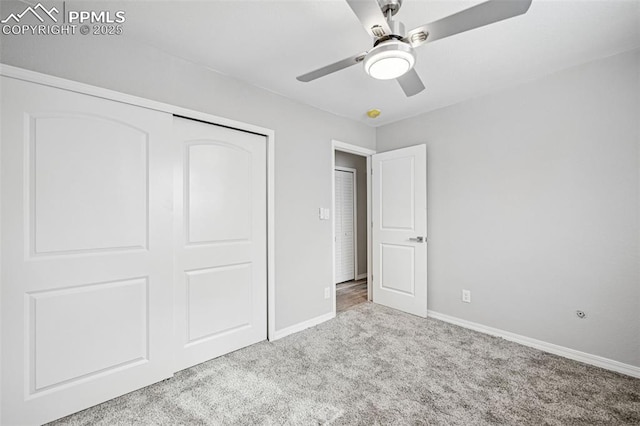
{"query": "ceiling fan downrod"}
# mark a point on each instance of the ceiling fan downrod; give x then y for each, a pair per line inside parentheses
(387, 6)
(389, 9)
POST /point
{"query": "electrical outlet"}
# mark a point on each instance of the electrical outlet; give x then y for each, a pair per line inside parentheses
(466, 296)
(327, 292)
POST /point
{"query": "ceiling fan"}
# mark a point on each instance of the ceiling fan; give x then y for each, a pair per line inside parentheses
(393, 55)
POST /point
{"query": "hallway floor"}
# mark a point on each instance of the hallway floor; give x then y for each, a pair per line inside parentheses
(350, 294)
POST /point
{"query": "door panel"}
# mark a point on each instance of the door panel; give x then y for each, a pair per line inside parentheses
(399, 218)
(219, 186)
(220, 276)
(397, 193)
(114, 312)
(73, 185)
(219, 300)
(398, 269)
(86, 234)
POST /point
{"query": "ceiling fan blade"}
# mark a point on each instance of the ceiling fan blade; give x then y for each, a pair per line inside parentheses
(411, 83)
(468, 19)
(336, 66)
(370, 14)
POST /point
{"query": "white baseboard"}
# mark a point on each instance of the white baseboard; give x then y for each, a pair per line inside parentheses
(361, 276)
(596, 360)
(279, 334)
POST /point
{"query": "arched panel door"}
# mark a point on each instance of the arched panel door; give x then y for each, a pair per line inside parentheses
(221, 275)
(86, 249)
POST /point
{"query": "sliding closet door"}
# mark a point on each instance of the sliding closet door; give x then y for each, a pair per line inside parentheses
(221, 245)
(86, 250)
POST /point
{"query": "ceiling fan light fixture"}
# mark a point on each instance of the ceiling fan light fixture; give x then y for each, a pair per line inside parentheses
(389, 60)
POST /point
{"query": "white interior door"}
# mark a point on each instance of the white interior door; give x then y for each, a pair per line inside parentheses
(221, 246)
(400, 229)
(344, 225)
(86, 235)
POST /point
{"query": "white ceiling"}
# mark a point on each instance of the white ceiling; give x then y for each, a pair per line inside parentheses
(268, 43)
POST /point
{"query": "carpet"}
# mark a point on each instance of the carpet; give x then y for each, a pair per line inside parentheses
(373, 365)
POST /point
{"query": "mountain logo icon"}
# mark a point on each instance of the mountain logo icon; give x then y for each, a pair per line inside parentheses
(43, 11)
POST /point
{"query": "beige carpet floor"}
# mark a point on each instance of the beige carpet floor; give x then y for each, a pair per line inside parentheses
(373, 365)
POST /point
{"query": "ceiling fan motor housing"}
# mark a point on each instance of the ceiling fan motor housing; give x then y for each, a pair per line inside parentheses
(397, 28)
(397, 33)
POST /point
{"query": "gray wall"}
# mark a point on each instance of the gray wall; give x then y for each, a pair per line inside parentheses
(359, 163)
(534, 206)
(303, 178)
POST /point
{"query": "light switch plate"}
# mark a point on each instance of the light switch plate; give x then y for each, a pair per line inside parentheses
(325, 213)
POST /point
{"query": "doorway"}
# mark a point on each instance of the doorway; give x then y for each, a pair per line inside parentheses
(352, 242)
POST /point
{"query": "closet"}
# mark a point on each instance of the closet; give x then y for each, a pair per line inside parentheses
(345, 224)
(133, 246)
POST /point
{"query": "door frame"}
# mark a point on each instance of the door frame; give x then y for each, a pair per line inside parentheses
(74, 86)
(362, 152)
(354, 172)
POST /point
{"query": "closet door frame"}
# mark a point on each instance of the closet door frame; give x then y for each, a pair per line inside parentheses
(60, 83)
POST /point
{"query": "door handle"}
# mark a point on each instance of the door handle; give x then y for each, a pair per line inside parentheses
(417, 239)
